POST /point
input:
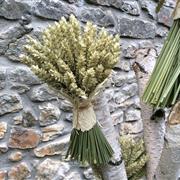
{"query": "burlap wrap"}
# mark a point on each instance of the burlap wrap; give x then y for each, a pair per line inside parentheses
(177, 11)
(84, 117)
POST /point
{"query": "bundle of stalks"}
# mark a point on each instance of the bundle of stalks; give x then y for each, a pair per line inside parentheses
(75, 62)
(163, 89)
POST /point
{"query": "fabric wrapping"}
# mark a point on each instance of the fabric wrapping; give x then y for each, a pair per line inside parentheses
(177, 11)
(84, 117)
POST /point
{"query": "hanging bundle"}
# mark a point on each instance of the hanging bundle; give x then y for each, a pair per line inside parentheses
(163, 89)
(76, 62)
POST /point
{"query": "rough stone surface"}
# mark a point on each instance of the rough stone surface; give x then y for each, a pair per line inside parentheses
(74, 175)
(53, 9)
(11, 34)
(23, 138)
(19, 88)
(150, 7)
(133, 115)
(98, 16)
(22, 75)
(66, 106)
(88, 174)
(3, 147)
(117, 117)
(52, 169)
(15, 156)
(28, 119)
(129, 7)
(3, 129)
(9, 103)
(19, 172)
(53, 148)
(132, 128)
(52, 131)
(136, 28)
(3, 174)
(2, 78)
(49, 114)
(164, 16)
(18, 119)
(41, 93)
(13, 9)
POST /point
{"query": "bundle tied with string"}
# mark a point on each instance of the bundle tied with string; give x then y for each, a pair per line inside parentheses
(76, 62)
(163, 89)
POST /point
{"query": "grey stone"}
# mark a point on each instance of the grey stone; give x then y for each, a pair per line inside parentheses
(41, 93)
(15, 48)
(50, 149)
(29, 119)
(73, 1)
(123, 77)
(49, 114)
(97, 16)
(88, 174)
(9, 103)
(74, 175)
(66, 106)
(131, 127)
(18, 119)
(68, 117)
(150, 7)
(146, 44)
(117, 117)
(109, 93)
(123, 65)
(162, 31)
(164, 16)
(22, 75)
(52, 9)
(52, 169)
(25, 19)
(130, 89)
(19, 88)
(3, 147)
(130, 7)
(136, 28)
(11, 34)
(133, 115)
(13, 9)
(14, 32)
(129, 49)
(2, 78)
(113, 3)
(133, 101)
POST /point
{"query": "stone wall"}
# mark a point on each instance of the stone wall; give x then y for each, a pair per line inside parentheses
(34, 124)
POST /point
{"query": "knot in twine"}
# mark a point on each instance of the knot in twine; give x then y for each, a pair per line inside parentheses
(84, 117)
(176, 12)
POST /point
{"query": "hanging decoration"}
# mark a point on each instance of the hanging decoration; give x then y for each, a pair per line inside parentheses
(76, 62)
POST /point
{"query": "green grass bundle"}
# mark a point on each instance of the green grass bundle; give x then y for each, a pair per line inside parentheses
(135, 158)
(163, 89)
(75, 62)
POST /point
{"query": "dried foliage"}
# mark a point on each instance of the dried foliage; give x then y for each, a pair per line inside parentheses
(72, 59)
(135, 158)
